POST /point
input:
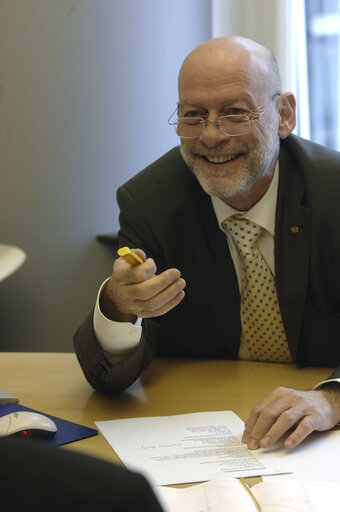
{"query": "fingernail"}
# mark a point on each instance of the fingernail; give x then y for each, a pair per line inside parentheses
(253, 444)
(266, 441)
(288, 444)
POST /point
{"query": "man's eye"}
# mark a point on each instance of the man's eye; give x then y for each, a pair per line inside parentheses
(192, 113)
(235, 111)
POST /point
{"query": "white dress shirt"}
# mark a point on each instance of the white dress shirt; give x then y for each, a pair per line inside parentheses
(117, 339)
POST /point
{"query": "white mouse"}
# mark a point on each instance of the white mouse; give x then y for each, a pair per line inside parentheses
(27, 424)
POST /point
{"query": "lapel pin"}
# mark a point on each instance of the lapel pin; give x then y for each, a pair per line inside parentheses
(294, 229)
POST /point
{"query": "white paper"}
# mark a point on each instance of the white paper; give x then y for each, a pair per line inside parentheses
(229, 495)
(213, 496)
(297, 496)
(316, 458)
(186, 448)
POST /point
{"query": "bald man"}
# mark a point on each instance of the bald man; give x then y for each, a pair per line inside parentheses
(237, 164)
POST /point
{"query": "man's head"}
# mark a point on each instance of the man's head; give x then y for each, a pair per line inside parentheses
(231, 76)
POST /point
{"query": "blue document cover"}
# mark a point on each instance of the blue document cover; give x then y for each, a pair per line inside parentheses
(67, 432)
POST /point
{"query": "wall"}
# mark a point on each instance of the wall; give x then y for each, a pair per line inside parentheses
(274, 23)
(86, 88)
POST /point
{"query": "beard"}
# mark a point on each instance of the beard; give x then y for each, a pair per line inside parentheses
(225, 180)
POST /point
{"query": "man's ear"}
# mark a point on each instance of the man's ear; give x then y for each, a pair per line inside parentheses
(287, 117)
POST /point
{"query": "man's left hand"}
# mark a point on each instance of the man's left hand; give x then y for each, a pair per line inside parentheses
(284, 409)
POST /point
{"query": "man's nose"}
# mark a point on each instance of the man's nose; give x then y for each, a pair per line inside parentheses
(211, 134)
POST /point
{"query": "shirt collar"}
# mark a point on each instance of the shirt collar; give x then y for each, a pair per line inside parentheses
(262, 213)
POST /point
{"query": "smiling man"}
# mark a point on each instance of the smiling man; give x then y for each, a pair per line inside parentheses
(236, 161)
(244, 216)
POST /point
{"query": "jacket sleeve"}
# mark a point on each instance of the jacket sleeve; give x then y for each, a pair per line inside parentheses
(99, 372)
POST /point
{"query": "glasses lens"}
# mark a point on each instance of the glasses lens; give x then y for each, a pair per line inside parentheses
(234, 125)
(189, 127)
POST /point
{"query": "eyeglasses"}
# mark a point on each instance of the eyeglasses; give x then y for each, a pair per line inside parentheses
(232, 125)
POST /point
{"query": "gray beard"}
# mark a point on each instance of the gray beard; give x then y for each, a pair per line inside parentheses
(245, 176)
(236, 185)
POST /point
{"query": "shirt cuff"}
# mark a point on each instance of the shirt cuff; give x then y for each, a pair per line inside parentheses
(115, 337)
(318, 386)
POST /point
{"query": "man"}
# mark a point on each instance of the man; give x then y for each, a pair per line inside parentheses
(239, 175)
(38, 477)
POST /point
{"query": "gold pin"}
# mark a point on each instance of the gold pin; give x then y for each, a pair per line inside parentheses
(294, 229)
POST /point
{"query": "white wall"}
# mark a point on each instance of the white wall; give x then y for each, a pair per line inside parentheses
(280, 26)
(273, 23)
(86, 88)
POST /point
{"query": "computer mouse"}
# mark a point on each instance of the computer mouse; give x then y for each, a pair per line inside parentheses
(27, 424)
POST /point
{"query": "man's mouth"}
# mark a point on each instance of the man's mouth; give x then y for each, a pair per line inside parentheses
(220, 159)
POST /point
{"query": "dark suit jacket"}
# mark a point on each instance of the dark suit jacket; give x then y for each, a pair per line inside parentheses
(37, 478)
(165, 212)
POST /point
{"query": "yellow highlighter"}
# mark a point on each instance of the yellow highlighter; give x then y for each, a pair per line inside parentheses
(130, 256)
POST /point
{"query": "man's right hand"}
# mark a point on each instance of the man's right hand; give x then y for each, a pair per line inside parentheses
(135, 291)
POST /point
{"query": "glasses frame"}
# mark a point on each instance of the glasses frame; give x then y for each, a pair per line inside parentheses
(252, 115)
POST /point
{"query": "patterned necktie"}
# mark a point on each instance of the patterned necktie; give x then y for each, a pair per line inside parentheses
(261, 319)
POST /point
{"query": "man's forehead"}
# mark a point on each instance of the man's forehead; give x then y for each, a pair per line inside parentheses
(212, 64)
(215, 78)
(226, 99)
(231, 86)
(224, 76)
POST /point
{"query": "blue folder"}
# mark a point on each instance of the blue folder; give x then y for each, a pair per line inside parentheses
(67, 432)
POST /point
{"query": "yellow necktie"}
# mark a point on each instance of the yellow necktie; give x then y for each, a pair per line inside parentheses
(261, 319)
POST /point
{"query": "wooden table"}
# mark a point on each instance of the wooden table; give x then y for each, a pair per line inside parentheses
(54, 383)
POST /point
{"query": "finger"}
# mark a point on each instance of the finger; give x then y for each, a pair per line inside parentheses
(140, 253)
(264, 415)
(303, 430)
(162, 298)
(288, 419)
(125, 273)
(165, 308)
(254, 415)
(160, 289)
(161, 302)
(148, 288)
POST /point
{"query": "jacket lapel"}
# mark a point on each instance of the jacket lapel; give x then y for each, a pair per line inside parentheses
(213, 266)
(291, 248)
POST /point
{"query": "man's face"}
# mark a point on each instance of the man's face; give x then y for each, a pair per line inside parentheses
(230, 166)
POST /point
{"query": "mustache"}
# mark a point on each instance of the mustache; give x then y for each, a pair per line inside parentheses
(229, 149)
